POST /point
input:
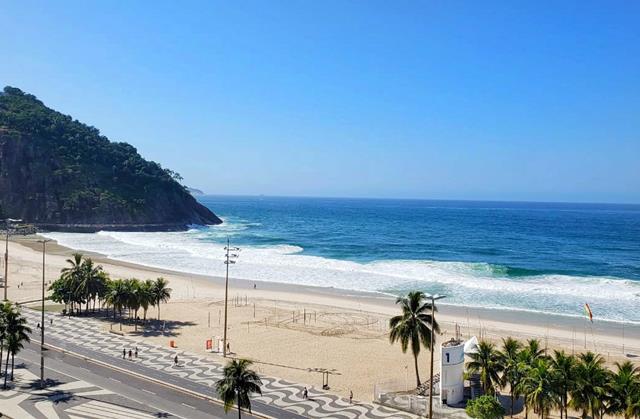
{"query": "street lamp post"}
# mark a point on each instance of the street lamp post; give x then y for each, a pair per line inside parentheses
(44, 248)
(433, 299)
(6, 254)
(229, 259)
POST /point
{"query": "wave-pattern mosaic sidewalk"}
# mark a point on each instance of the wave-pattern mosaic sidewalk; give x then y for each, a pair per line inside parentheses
(85, 333)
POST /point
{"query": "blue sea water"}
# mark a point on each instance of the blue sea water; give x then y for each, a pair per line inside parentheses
(546, 257)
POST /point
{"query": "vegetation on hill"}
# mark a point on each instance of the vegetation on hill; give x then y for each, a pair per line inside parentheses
(55, 170)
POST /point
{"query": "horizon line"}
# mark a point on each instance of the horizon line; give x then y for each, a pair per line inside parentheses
(635, 204)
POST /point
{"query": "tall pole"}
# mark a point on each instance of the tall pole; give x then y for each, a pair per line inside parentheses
(6, 254)
(6, 261)
(44, 247)
(433, 342)
(226, 299)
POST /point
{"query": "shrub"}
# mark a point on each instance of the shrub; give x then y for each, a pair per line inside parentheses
(485, 407)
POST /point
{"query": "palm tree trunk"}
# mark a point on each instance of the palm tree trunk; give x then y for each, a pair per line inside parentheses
(415, 362)
(135, 320)
(6, 369)
(1, 353)
(158, 311)
(239, 411)
(512, 403)
(13, 359)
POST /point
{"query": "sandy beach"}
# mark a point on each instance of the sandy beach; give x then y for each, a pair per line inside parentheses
(293, 332)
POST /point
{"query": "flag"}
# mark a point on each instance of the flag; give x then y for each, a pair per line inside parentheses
(587, 311)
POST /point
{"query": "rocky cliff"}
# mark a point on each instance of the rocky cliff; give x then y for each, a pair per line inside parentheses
(61, 174)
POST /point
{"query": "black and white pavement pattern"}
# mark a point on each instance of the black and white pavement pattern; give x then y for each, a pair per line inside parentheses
(280, 398)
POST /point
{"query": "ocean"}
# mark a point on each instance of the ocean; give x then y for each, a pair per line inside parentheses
(540, 257)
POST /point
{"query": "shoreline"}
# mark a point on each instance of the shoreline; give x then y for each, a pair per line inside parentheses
(602, 326)
(348, 333)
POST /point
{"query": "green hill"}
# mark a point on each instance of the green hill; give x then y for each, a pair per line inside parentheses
(61, 174)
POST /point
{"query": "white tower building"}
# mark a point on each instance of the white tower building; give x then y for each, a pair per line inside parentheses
(452, 372)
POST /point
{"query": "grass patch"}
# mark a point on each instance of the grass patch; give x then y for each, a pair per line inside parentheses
(52, 308)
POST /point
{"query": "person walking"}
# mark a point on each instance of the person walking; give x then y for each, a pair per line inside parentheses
(350, 396)
(175, 361)
(305, 393)
(130, 353)
(135, 354)
(124, 353)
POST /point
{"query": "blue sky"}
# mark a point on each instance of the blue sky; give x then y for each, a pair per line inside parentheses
(451, 100)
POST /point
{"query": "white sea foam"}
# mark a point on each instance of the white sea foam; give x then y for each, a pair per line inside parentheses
(200, 251)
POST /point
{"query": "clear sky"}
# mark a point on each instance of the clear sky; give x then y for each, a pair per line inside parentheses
(507, 100)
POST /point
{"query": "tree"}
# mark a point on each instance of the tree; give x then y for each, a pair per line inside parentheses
(161, 292)
(238, 382)
(72, 276)
(485, 407)
(413, 326)
(564, 367)
(146, 297)
(539, 384)
(17, 332)
(623, 389)
(590, 385)
(132, 288)
(512, 367)
(486, 362)
(5, 308)
(117, 296)
(532, 351)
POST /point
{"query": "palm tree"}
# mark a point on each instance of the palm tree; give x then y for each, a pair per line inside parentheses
(146, 297)
(413, 326)
(539, 384)
(17, 333)
(5, 308)
(237, 384)
(590, 384)
(532, 351)
(623, 389)
(161, 292)
(132, 287)
(72, 275)
(486, 362)
(117, 296)
(512, 366)
(564, 367)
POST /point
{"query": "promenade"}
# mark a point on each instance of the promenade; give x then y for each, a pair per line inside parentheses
(195, 374)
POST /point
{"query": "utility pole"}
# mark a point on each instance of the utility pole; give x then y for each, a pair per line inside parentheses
(229, 259)
(433, 343)
(44, 248)
(6, 254)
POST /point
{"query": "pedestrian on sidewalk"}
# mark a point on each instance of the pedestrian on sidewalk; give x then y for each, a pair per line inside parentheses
(124, 353)
(350, 396)
(130, 354)
(136, 352)
(175, 361)
(305, 393)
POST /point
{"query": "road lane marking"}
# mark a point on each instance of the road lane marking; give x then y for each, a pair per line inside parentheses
(188, 405)
(147, 391)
